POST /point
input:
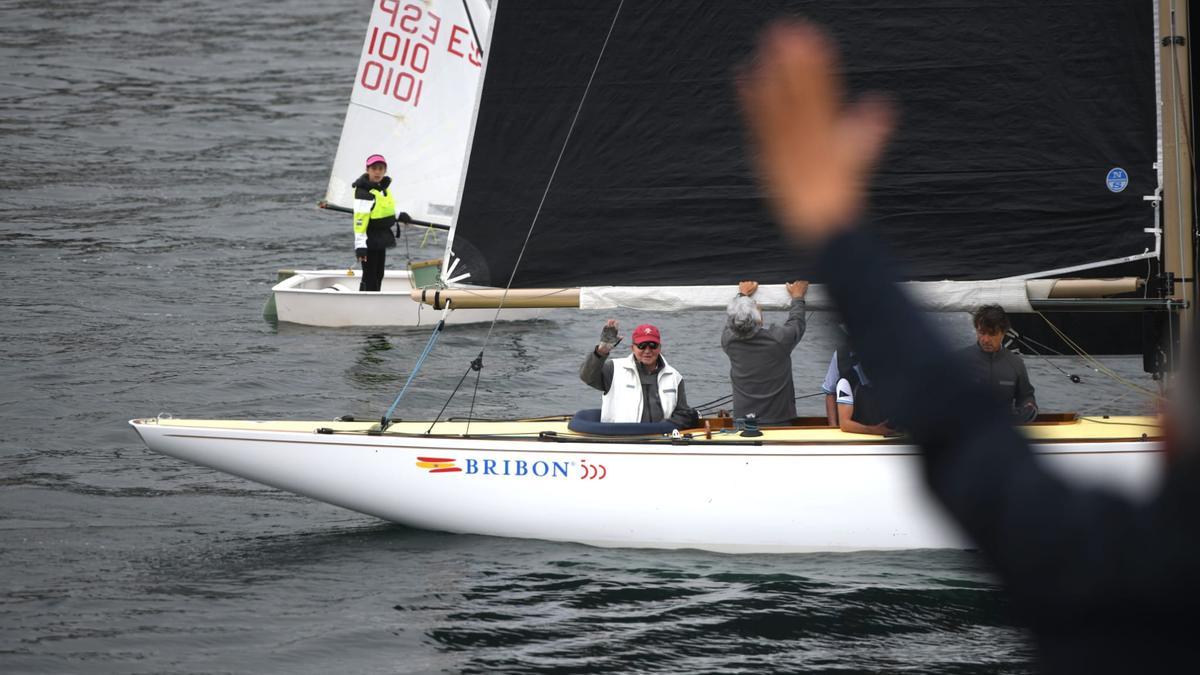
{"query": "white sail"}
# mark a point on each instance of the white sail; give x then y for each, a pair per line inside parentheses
(414, 90)
(937, 296)
(1014, 295)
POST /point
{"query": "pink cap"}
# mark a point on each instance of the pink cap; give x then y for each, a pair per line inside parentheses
(376, 159)
(646, 333)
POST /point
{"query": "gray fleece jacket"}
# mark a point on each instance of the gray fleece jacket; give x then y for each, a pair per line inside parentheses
(760, 368)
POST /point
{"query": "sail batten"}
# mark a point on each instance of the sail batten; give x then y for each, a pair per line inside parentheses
(1024, 147)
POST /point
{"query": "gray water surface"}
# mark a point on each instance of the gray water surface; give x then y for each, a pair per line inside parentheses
(160, 162)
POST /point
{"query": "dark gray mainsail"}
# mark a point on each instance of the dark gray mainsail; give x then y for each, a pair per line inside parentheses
(1028, 139)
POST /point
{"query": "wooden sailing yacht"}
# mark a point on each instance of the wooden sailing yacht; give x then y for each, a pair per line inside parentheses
(614, 142)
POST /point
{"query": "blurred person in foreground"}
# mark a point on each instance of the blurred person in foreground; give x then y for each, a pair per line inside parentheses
(1106, 584)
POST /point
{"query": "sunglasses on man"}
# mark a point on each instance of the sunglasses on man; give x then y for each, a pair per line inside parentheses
(646, 345)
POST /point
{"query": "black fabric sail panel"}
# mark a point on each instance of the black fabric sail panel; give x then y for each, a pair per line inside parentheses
(1027, 139)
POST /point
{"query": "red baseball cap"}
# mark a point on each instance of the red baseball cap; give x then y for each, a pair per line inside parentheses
(376, 159)
(646, 333)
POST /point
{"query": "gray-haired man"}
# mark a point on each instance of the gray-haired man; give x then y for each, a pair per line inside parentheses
(760, 357)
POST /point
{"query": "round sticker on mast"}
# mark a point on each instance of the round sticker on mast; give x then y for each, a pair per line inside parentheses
(1117, 179)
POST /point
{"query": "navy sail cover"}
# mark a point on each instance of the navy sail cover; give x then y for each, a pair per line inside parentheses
(1026, 139)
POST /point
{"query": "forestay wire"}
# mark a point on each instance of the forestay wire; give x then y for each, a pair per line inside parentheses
(477, 364)
(386, 420)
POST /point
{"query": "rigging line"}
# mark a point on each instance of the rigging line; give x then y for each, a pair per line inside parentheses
(425, 237)
(1088, 360)
(554, 172)
(1095, 420)
(1030, 343)
(720, 399)
(1108, 404)
(387, 417)
(1026, 342)
(474, 33)
(545, 193)
(1096, 365)
(471, 410)
(726, 399)
(476, 364)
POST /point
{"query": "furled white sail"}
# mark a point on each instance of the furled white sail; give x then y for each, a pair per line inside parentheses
(938, 296)
(1014, 295)
(412, 102)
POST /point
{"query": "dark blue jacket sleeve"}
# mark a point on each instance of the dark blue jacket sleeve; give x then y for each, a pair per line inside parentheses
(1060, 549)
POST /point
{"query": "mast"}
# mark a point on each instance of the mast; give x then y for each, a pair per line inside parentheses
(1179, 215)
(1164, 332)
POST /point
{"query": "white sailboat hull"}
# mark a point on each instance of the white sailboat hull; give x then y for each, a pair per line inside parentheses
(810, 490)
(331, 299)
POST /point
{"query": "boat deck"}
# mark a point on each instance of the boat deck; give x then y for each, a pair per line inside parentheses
(1048, 429)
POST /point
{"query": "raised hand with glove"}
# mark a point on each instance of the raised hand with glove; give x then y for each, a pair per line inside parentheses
(609, 338)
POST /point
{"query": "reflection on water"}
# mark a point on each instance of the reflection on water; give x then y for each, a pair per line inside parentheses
(372, 367)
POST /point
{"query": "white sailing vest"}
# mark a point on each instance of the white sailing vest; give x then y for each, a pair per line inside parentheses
(623, 400)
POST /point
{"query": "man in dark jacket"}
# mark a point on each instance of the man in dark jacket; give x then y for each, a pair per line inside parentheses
(760, 357)
(1107, 585)
(991, 365)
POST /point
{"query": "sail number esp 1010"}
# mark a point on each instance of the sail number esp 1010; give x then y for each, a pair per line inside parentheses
(405, 42)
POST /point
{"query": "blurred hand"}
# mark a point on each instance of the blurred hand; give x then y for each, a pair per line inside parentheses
(814, 154)
(747, 287)
(796, 289)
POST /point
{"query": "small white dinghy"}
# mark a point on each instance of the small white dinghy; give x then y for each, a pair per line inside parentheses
(412, 102)
(331, 299)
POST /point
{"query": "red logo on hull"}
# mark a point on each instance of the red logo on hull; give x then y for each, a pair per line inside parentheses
(437, 464)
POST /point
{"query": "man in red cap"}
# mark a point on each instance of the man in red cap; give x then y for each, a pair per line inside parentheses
(641, 387)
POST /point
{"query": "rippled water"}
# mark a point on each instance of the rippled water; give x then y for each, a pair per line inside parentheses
(160, 161)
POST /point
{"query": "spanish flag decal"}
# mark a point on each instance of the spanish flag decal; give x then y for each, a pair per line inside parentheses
(437, 464)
